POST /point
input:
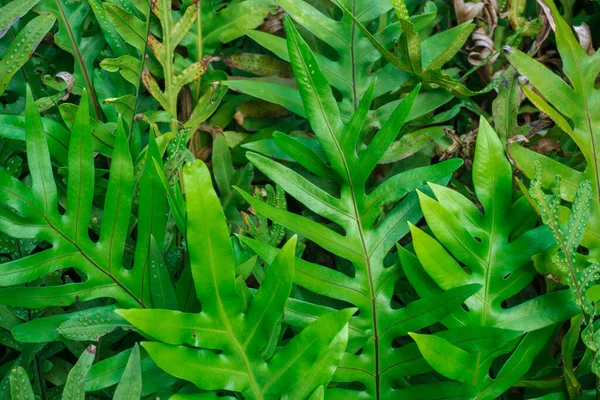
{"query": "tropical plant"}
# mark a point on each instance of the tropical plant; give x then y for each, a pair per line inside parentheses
(489, 249)
(576, 102)
(243, 327)
(129, 388)
(577, 273)
(421, 60)
(26, 40)
(252, 199)
(348, 52)
(34, 213)
(357, 210)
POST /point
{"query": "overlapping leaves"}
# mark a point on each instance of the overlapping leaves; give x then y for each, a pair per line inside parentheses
(424, 60)
(345, 67)
(25, 42)
(492, 248)
(496, 246)
(232, 343)
(367, 235)
(34, 213)
(573, 107)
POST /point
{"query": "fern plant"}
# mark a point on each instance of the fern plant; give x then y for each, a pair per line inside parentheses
(577, 102)
(34, 213)
(350, 62)
(425, 60)
(354, 54)
(503, 235)
(243, 327)
(25, 42)
(125, 27)
(85, 49)
(579, 274)
(368, 235)
(201, 30)
(258, 228)
(129, 388)
(226, 176)
(493, 248)
(172, 34)
(568, 238)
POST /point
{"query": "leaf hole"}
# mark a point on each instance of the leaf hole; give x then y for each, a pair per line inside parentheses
(583, 250)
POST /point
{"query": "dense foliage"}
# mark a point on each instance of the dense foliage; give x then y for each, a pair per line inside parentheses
(299, 199)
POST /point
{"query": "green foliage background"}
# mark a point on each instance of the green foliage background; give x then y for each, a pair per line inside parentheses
(299, 199)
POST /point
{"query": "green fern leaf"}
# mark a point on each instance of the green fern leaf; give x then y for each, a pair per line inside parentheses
(576, 102)
(492, 248)
(84, 49)
(501, 236)
(368, 235)
(34, 213)
(258, 227)
(24, 43)
(20, 387)
(238, 328)
(354, 53)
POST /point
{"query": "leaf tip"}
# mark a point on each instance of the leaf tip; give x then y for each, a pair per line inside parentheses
(422, 196)
(413, 228)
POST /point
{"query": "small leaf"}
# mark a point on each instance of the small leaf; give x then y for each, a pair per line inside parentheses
(75, 386)
(130, 386)
(12, 12)
(23, 46)
(20, 387)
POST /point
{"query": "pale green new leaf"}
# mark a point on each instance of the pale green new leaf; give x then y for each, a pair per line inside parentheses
(233, 321)
(496, 245)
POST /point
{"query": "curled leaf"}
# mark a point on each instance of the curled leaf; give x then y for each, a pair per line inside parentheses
(584, 35)
(482, 48)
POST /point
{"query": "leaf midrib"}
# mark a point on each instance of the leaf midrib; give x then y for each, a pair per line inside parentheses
(232, 337)
(79, 249)
(86, 76)
(365, 256)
